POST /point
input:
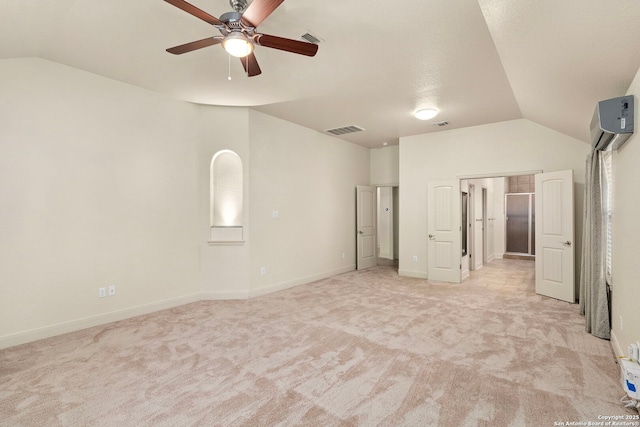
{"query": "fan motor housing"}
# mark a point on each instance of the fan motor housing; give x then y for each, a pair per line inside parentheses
(232, 19)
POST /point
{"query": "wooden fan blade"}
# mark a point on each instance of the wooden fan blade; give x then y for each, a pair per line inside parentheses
(199, 44)
(250, 64)
(198, 13)
(258, 10)
(288, 45)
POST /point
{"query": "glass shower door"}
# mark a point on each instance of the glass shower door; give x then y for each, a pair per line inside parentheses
(520, 220)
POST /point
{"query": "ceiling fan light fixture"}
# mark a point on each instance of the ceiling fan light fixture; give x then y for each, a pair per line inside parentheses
(237, 44)
(426, 114)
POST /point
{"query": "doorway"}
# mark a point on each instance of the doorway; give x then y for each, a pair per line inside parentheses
(484, 197)
(553, 212)
(377, 226)
(520, 223)
(478, 239)
(520, 217)
(388, 225)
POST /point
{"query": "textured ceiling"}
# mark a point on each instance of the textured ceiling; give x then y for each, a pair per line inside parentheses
(476, 61)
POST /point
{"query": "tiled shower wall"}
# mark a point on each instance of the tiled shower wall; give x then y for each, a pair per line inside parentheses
(521, 184)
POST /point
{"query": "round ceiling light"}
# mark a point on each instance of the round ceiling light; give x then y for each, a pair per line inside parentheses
(237, 44)
(427, 114)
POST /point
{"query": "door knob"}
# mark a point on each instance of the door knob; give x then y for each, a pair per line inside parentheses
(361, 232)
(431, 237)
(567, 243)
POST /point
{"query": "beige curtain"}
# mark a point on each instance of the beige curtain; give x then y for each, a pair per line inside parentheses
(593, 284)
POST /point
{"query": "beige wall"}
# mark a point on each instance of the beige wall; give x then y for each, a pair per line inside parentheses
(103, 183)
(626, 235)
(98, 187)
(224, 271)
(310, 179)
(498, 148)
(385, 166)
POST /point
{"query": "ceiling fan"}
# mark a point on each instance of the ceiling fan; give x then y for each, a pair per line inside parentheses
(238, 32)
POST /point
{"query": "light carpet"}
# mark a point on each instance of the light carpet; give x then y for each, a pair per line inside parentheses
(365, 348)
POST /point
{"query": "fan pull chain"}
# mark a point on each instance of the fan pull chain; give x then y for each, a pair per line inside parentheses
(229, 77)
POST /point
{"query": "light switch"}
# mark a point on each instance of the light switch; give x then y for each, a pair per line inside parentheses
(275, 214)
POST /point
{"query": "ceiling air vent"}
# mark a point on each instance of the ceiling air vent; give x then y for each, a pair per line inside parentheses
(310, 38)
(344, 130)
(441, 124)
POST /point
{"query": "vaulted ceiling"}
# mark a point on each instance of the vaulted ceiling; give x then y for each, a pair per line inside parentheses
(476, 61)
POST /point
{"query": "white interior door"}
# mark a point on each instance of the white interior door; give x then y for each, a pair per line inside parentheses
(555, 235)
(366, 226)
(443, 225)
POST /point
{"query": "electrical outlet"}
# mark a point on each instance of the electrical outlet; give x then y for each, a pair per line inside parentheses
(112, 290)
(275, 214)
(263, 271)
(102, 292)
(415, 258)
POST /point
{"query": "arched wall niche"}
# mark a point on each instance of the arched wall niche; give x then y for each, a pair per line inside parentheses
(226, 197)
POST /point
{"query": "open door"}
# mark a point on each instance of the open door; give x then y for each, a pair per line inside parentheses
(443, 225)
(554, 235)
(366, 227)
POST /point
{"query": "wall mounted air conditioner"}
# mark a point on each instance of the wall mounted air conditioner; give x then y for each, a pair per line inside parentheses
(612, 123)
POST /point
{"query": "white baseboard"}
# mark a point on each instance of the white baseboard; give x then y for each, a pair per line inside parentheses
(298, 281)
(465, 274)
(101, 319)
(223, 295)
(410, 273)
(499, 256)
(615, 344)
(89, 322)
(491, 258)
